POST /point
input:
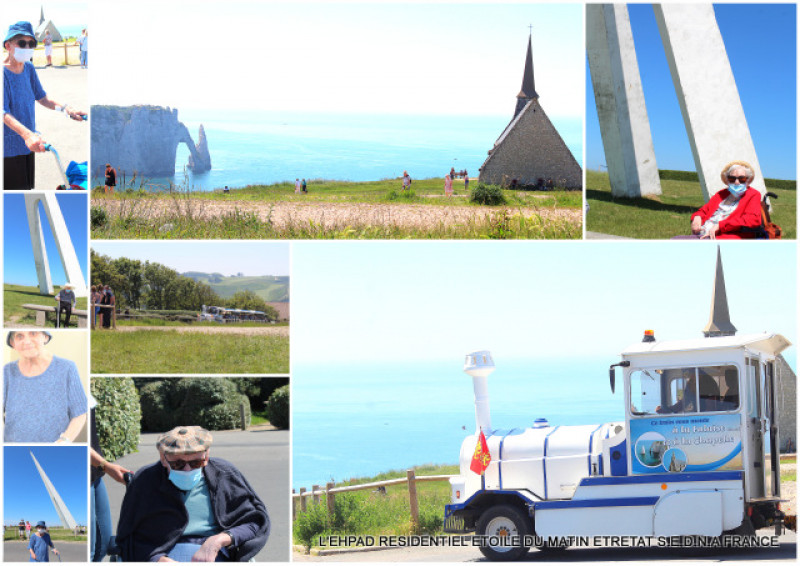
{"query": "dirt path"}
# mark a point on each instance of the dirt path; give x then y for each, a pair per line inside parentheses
(245, 330)
(327, 214)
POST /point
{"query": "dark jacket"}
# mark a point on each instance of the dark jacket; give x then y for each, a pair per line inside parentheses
(153, 516)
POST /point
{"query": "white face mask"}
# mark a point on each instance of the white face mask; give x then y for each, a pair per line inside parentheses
(23, 55)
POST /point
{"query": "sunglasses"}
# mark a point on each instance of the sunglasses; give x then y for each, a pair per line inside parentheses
(732, 179)
(21, 43)
(180, 464)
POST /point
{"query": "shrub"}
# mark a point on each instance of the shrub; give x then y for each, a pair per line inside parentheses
(277, 407)
(99, 217)
(487, 194)
(311, 524)
(117, 415)
(212, 403)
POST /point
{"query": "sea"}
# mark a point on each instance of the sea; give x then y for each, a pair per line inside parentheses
(266, 147)
(358, 420)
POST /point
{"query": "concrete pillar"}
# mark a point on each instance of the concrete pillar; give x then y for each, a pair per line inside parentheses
(67, 521)
(624, 125)
(707, 93)
(66, 251)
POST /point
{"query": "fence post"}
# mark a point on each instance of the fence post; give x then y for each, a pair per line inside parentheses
(302, 499)
(294, 507)
(315, 493)
(242, 416)
(91, 314)
(329, 497)
(412, 500)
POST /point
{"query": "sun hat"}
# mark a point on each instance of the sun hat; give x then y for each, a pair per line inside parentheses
(41, 524)
(19, 28)
(184, 440)
(45, 332)
(68, 285)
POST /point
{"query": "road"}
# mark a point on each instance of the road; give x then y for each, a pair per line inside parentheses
(786, 552)
(224, 329)
(261, 454)
(67, 85)
(17, 551)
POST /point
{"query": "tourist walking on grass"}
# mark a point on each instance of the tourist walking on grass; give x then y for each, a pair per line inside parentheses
(466, 180)
(111, 178)
(448, 186)
(109, 301)
(97, 297)
(297, 186)
(305, 187)
(22, 90)
(83, 41)
(406, 180)
(48, 48)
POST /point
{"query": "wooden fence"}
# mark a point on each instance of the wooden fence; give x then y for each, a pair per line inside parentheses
(330, 493)
(112, 314)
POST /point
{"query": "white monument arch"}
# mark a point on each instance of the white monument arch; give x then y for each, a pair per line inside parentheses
(704, 83)
(66, 251)
(67, 520)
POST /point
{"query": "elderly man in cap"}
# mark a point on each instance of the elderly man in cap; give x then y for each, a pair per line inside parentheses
(65, 300)
(190, 507)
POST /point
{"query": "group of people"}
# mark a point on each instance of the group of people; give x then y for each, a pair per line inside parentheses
(82, 41)
(103, 305)
(300, 187)
(448, 181)
(22, 89)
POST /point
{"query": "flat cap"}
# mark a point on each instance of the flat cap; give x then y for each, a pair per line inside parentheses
(185, 440)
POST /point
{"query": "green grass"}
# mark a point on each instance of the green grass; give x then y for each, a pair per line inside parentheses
(258, 418)
(14, 296)
(183, 219)
(667, 215)
(172, 352)
(370, 513)
(55, 534)
(163, 322)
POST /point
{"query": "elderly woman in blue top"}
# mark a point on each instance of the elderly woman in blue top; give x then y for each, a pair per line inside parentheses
(39, 543)
(21, 88)
(43, 399)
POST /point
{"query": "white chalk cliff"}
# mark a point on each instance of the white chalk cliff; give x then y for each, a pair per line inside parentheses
(143, 140)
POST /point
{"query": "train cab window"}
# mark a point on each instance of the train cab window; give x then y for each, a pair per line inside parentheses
(684, 390)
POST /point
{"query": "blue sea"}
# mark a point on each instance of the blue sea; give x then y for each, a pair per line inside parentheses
(360, 420)
(260, 147)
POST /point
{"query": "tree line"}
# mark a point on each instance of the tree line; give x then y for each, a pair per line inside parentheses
(152, 286)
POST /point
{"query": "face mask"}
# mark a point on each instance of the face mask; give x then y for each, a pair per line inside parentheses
(23, 55)
(40, 530)
(185, 480)
(737, 190)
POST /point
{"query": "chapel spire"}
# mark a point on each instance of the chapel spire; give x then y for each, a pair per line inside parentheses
(528, 90)
(719, 322)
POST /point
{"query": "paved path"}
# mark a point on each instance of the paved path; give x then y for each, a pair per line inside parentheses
(261, 454)
(17, 551)
(600, 236)
(67, 85)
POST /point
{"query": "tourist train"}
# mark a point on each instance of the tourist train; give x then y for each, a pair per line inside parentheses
(223, 314)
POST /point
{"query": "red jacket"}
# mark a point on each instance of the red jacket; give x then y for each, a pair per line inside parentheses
(747, 214)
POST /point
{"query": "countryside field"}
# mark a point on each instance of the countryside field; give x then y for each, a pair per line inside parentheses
(668, 215)
(335, 209)
(173, 350)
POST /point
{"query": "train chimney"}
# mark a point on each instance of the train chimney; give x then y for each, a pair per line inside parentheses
(479, 365)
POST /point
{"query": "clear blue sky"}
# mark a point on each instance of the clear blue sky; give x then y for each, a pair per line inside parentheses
(24, 494)
(226, 257)
(18, 265)
(761, 44)
(366, 302)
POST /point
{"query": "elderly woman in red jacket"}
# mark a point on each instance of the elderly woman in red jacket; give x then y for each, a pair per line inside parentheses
(734, 212)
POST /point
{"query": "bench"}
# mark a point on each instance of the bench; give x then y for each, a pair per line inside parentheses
(42, 310)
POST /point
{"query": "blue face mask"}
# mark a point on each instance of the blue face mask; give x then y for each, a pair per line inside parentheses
(185, 480)
(737, 190)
